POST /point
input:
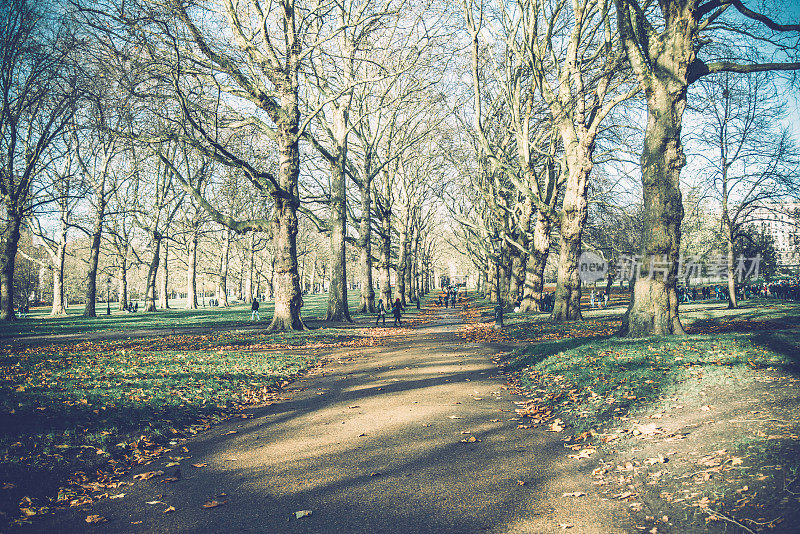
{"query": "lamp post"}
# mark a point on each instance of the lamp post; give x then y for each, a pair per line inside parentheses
(498, 310)
(108, 296)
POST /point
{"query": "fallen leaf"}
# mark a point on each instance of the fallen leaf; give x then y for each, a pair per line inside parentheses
(148, 475)
(520, 482)
(200, 465)
(565, 526)
(471, 439)
(574, 494)
(155, 502)
(556, 426)
(94, 519)
(169, 509)
(117, 496)
(213, 504)
(302, 513)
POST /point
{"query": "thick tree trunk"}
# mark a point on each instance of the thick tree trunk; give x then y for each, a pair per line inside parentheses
(732, 301)
(337, 293)
(532, 297)
(123, 285)
(250, 270)
(288, 294)
(567, 304)
(400, 289)
(222, 292)
(11, 237)
(409, 273)
(163, 293)
(367, 304)
(152, 272)
(517, 279)
(386, 257)
(654, 305)
(94, 259)
(191, 274)
(59, 307)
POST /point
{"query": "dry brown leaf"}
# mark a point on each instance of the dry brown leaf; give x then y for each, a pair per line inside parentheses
(94, 519)
(214, 504)
(148, 475)
(565, 526)
(169, 509)
(574, 494)
(200, 465)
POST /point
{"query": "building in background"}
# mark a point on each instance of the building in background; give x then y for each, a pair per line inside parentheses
(782, 222)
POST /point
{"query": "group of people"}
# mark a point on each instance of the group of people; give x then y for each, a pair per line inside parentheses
(599, 299)
(397, 309)
(787, 289)
(449, 296)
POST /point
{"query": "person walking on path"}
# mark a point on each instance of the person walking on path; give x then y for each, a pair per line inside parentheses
(396, 312)
(381, 312)
(254, 308)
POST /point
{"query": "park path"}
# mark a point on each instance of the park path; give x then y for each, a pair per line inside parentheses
(378, 441)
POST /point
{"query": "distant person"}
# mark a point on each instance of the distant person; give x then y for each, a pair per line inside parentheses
(254, 313)
(605, 299)
(381, 312)
(396, 309)
(446, 296)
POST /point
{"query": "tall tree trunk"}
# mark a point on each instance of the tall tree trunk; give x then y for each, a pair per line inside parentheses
(250, 269)
(59, 307)
(288, 295)
(386, 257)
(123, 284)
(732, 301)
(222, 292)
(567, 305)
(191, 273)
(532, 295)
(654, 305)
(11, 235)
(337, 293)
(152, 272)
(163, 293)
(409, 272)
(367, 303)
(517, 280)
(94, 259)
(400, 290)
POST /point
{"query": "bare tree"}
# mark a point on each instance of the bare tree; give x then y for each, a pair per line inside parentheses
(38, 92)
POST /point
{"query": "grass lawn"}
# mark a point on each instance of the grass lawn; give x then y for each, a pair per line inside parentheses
(91, 409)
(40, 323)
(702, 429)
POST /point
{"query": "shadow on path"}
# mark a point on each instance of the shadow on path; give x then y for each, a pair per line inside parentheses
(380, 440)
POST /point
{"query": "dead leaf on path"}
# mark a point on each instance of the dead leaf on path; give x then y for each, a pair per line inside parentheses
(200, 465)
(229, 432)
(656, 460)
(585, 453)
(169, 509)
(556, 426)
(117, 496)
(302, 513)
(735, 460)
(520, 482)
(154, 502)
(650, 429)
(454, 417)
(574, 494)
(471, 439)
(354, 406)
(170, 479)
(148, 475)
(214, 504)
(565, 526)
(94, 519)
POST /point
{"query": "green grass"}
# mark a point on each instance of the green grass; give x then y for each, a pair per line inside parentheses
(594, 379)
(41, 324)
(54, 402)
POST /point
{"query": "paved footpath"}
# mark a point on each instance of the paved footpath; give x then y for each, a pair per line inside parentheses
(374, 443)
